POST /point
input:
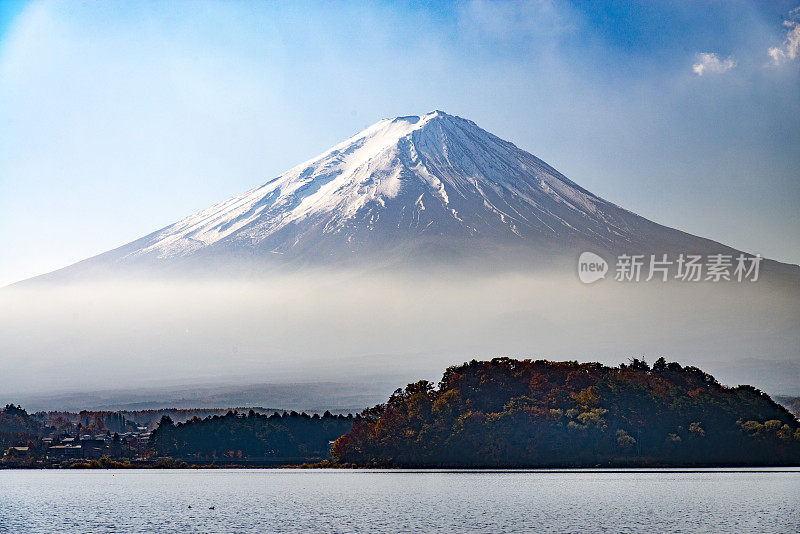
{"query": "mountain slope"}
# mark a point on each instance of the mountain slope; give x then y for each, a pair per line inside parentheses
(434, 186)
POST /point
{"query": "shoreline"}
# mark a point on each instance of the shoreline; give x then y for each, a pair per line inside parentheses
(87, 466)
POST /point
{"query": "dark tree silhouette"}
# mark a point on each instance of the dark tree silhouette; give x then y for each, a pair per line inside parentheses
(250, 436)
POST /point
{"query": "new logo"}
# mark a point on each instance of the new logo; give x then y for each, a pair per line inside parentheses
(591, 267)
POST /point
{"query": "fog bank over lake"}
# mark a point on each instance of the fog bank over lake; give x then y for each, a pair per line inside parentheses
(354, 326)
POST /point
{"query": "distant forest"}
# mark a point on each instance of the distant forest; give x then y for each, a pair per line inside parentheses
(124, 420)
(17, 427)
(498, 413)
(288, 436)
(510, 413)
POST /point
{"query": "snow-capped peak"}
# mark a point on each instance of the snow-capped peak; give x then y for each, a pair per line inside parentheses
(402, 178)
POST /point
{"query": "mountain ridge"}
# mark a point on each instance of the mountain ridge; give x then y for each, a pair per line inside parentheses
(408, 189)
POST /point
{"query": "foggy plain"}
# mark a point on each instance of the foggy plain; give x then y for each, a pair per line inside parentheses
(362, 328)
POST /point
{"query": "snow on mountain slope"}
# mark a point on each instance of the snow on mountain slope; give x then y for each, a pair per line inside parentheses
(404, 179)
(404, 191)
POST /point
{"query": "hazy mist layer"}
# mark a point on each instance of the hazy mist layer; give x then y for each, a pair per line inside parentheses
(357, 328)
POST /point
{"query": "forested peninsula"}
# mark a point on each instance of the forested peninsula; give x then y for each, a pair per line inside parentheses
(506, 413)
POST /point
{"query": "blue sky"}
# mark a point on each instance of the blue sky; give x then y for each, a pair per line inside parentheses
(119, 118)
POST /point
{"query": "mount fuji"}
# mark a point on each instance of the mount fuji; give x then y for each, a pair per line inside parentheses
(413, 244)
(407, 190)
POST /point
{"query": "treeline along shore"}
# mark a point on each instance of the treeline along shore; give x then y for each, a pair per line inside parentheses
(502, 413)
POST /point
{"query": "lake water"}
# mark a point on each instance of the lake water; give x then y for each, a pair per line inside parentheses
(261, 501)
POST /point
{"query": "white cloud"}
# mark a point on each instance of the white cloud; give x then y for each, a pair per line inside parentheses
(791, 46)
(710, 62)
